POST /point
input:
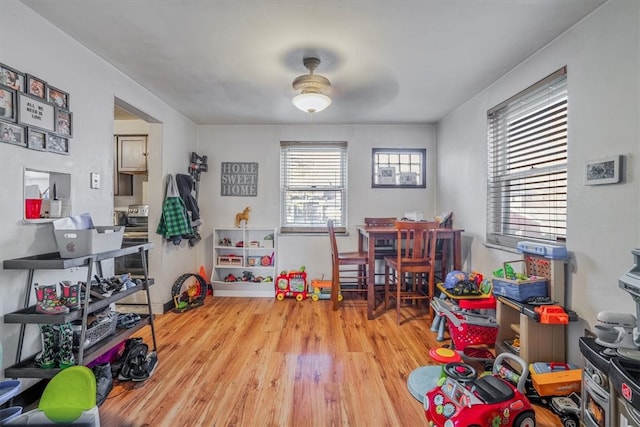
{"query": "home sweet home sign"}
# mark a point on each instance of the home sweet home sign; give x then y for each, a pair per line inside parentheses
(239, 179)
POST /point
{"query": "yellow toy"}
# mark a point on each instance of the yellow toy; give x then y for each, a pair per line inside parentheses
(322, 290)
(244, 215)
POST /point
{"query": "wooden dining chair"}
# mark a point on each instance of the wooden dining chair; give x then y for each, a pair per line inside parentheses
(384, 247)
(409, 275)
(349, 269)
(442, 247)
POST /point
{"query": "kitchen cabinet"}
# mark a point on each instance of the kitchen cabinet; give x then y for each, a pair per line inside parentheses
(26, 367)
(132, 153)
(244, 261)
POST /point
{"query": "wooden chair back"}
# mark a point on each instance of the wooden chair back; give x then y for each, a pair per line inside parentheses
(416, 242)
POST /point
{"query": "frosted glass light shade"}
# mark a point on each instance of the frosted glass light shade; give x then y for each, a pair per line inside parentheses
(311, 102)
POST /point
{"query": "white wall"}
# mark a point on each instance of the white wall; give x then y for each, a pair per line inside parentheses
(602, 54)
(262, 144)
(32, 45)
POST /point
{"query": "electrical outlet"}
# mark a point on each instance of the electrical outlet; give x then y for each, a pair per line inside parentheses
(95, 180)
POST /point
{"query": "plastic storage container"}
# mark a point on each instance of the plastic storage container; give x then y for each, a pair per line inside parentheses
(77, 243)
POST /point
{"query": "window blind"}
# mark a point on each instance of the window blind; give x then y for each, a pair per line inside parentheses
(527, 164)
(313, 186)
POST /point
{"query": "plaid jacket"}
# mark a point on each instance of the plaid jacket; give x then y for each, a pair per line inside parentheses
(174, 220)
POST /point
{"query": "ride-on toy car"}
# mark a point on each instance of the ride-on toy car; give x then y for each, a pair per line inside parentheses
(496, 399)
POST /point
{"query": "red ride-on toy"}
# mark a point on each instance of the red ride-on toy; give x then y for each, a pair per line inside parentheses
(496, 399)
(292, 284)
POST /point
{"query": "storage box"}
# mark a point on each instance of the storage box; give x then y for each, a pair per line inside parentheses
(520, 290)
(77, 243)
(267, 244)
(555, 379)
(230, 260)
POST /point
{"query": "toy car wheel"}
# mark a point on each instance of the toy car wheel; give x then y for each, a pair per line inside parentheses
(280, 297)
(299, 297)
(570, 421)
(339, 297)
(315, 297)
(526, 419)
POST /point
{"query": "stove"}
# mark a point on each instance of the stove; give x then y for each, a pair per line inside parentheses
(136, 231)
(598, 405)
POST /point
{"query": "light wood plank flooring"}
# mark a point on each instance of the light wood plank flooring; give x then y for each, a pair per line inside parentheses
(262, 362)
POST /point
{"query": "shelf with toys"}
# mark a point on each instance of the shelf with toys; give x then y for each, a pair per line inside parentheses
(244, 261)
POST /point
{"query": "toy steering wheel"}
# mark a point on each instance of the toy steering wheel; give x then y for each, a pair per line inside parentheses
(460, 371)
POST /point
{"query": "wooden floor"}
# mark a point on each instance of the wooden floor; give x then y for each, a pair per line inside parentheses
(262, 362)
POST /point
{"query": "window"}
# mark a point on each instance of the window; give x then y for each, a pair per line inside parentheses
(398, 168)
(313, 186)
(527, 160)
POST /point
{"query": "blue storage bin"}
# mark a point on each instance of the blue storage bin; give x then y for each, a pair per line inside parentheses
(520, 290)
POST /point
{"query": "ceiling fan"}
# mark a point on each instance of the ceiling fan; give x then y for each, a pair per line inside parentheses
(312, 87)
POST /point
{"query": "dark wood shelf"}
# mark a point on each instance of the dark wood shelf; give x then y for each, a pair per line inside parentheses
(29, 314)
(27, 368)
(52, 261)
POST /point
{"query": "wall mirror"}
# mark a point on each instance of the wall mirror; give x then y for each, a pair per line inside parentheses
(398, 168)
(39, 193)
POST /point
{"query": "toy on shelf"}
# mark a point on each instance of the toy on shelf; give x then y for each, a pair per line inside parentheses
(322, 290)
(497, 399)
(292, 284)
(243, 216)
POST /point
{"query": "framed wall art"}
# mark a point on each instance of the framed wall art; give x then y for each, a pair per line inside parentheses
(12, 78)
(7, 103)
(57, 144)
(37, 139)
(33, 111)
(398, 168)
(12, 133)
(602, 171)
(63, 122)
(57, 97)
(36, 86)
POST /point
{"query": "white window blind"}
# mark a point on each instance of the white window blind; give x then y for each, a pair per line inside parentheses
(313, 186)
(527, 160)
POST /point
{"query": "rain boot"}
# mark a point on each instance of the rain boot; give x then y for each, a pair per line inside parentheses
(48, 302)
(46, 358)
(70, 294)
(65, 348)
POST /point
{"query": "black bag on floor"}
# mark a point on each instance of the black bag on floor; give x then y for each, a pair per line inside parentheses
(104, 381)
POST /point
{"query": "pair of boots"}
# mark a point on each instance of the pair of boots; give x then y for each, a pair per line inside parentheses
(57, 346)
(49, 302)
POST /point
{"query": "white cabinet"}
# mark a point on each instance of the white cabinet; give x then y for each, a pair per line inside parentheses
(244, 262)
(132, 153)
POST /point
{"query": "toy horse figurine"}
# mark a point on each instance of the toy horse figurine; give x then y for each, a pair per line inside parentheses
(244, 215)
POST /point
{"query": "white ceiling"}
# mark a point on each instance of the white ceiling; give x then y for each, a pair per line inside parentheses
(233, 61)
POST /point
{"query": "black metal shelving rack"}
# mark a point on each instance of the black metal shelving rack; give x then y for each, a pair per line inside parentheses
(27, 368)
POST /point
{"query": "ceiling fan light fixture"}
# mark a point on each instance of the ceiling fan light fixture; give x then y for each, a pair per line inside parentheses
(311, 102)
(311, 86)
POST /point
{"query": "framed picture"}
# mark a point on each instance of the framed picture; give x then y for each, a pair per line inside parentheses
(63, 122)
(37, 139)
(57, 97)
(35, 112)
(57, 144)
(602, 171)
(12, 133)
(12, 78)
(7, 103)
(36, 87)
(398, 168)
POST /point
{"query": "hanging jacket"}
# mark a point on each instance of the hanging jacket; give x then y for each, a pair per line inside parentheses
(174, 222)
(185, 187)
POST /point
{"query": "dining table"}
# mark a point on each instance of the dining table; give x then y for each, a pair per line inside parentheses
(367, 236)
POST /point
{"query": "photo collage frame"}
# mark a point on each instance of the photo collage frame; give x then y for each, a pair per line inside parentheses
(33, 114)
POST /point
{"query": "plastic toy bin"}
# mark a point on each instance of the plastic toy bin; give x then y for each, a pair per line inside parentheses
(77, 243)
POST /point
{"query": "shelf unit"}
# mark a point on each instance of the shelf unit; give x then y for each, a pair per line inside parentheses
(539, 342)
(26, 367)
(246, 258)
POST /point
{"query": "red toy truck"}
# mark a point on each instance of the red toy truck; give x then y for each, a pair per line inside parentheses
(292, 284)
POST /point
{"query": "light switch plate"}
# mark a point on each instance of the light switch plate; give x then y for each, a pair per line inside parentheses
(95, 180)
